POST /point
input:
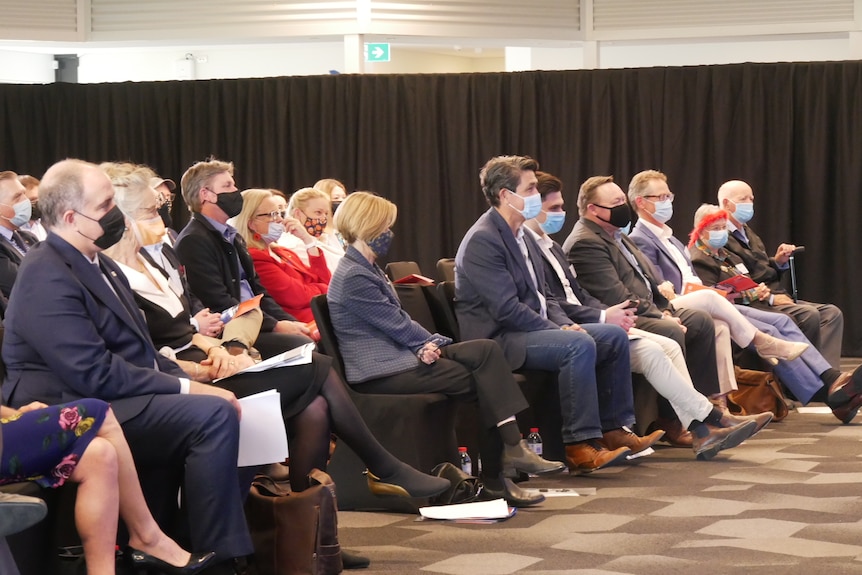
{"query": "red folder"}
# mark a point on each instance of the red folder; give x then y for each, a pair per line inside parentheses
(738, 283)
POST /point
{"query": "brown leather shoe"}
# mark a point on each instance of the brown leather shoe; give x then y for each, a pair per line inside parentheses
(720, 438)
(674, 434)
(760, 420)
(843, 390)
(587, 456)
(848, 411)
(625, 437)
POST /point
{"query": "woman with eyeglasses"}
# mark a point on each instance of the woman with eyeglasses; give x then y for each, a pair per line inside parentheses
(285, 276)
(313, 397)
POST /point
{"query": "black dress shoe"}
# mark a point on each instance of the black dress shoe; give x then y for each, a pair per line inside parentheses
(514, 495)
(145, 563)
(351, 560)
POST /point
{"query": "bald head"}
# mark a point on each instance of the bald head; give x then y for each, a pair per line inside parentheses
(732, 194)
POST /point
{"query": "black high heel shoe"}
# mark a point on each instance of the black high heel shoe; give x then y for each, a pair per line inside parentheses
(142, 562)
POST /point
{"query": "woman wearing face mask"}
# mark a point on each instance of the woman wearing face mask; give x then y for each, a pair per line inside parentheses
(385, 351)
(336, 192)
(808, 377)
(313, 397)
(285, 276)
(308, 216)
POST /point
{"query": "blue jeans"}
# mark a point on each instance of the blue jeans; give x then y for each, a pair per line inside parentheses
(593, 374)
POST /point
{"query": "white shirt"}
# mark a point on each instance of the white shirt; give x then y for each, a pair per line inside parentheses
(328, 245)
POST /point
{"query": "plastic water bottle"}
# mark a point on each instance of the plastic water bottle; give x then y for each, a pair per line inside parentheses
(534, 441)
(466, 462)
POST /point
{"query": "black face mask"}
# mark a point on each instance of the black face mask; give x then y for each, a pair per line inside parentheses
(113, 226)
(230, 203)
(621, 215)
(335, 206)
(35, 210)
(165, 213)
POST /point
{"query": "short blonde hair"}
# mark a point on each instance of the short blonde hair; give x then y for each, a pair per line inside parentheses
(639, 186)
(364, 216)
(300, 198)
(199, 176)
(131, 185)
(326, 186)
(251, 201)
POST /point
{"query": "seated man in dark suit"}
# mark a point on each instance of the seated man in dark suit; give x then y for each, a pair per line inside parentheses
(218, 267)
(15, 211)
(73, 331)
(822, 323)
(658, 358)
(500, 294)
(612, 269)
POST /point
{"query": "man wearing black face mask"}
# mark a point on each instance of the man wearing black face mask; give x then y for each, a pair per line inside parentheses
(218, 267)
(73, 330)
(612, 269)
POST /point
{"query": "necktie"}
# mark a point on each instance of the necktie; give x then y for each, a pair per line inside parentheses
(738, 234)
(18, 242)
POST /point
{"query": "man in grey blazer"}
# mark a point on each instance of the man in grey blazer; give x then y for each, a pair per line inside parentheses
(500, 294)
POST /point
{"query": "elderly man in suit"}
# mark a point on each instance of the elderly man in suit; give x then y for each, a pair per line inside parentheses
(808, 376)
(822, 323)
(15, 209)
(658, 358)
(218, 266)
(73, 331)
(500, 294)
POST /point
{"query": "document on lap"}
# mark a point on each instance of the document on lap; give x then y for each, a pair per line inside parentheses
(262, 437)
(241, 308)
(297, 356)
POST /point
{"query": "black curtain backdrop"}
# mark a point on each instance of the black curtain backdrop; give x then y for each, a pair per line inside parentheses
(791, 130)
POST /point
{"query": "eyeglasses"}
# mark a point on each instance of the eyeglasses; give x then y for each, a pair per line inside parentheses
(274, 214)
(662, 197)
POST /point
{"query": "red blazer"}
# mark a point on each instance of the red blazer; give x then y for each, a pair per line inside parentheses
(290, 282)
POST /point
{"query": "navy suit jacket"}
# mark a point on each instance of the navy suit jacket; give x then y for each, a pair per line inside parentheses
(69, 335)
(656, 252)
(494, 294)
(212, 270)
(590, 310)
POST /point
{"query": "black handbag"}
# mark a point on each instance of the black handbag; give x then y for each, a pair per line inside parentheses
(463, 488)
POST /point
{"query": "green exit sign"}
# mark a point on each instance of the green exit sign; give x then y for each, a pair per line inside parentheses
(376, 52)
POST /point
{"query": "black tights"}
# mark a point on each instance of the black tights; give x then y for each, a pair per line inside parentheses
(308, 434)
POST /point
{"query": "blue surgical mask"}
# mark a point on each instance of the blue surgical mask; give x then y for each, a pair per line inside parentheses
(663, 211)
(380, 244)
(23, 210)
(626, 229)
(743, 212)
(553, 222)
(276, 229)
(532, 206)
(717, 239)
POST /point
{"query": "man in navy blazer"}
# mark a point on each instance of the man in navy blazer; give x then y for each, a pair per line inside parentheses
(15, 211)
(73, 331)
(217, 264)
(500, 294)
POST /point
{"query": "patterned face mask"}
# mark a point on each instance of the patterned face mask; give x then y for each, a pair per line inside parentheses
(315, 226)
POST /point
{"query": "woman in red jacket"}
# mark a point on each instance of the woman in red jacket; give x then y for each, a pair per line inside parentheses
(288, 280)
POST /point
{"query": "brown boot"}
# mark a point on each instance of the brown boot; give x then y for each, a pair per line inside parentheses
(760, 420)
(625, 437)
(719, 438)
(587, 456)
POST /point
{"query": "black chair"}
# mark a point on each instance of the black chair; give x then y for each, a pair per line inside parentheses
(446, 269)
(417, 428)
(398, 270)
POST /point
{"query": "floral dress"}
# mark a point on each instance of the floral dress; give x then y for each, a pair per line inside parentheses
(45, 445)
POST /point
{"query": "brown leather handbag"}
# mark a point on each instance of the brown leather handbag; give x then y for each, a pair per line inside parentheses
(294, 533)
(758, 391)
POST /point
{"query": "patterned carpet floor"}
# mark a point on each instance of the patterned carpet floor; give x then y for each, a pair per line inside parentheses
(788, 501)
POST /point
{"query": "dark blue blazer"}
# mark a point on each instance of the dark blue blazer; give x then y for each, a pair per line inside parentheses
(656, 252)
(494, 294)
(68, 335)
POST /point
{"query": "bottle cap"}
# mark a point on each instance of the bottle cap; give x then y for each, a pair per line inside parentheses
(534, 430)
(462, 450)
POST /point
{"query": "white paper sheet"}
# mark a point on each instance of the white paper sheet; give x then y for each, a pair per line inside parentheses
(262, 437)
(297, 356)
(495, 509)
